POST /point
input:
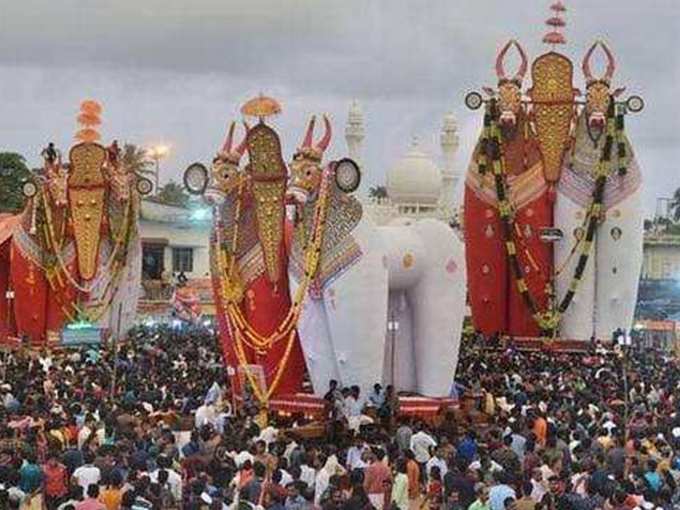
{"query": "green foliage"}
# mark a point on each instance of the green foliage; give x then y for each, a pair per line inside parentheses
(13, 173)
(173, 194)
(377, 192)
(136, 159)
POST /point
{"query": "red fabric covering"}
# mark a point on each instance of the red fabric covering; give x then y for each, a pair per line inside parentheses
(30, 303)
(6, 323)
(496, 303)
(38, 310)
(487, 266)
(537, 267)
(264, 306)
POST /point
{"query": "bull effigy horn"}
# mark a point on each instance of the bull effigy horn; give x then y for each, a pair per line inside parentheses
(587, 72)
(226, 146)
(500, 69)
(307, 141)
(322, 145)
(524, 65)
(611, 62)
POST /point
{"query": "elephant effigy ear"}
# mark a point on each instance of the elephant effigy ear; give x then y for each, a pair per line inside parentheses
(347, 175)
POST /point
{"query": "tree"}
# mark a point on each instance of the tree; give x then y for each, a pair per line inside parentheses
(13, 174)
(136, 159)
(674, 205)
(378, 192)
(173, 194)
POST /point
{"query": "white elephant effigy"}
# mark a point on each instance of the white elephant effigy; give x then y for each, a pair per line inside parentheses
(386, 304)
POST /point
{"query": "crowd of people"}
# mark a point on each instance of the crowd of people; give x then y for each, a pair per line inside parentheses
(151, 425)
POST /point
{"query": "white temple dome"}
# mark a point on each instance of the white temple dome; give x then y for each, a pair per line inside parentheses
(414, 179)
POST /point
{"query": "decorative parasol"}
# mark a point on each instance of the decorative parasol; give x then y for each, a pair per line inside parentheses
(556, 23)
(89, 119)
(261, 106)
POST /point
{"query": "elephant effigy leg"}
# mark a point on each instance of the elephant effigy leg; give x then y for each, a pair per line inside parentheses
(356, 307)
(316, 343)
(438, 302)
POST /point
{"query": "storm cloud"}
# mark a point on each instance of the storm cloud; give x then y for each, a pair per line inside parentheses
(177, 71)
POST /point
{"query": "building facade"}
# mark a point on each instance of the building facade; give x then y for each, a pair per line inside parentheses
(416, 185)
(661, 257)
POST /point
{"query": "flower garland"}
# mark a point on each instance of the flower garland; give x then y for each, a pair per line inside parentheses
(241, 331)
(491, 151)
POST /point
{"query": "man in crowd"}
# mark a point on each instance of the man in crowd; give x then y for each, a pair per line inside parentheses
(560, 435)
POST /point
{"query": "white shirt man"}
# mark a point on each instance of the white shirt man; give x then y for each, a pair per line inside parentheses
(355, 456)
(205, 415)
(421, 442)
(174, 482)
(86, 475)
(438, 461)
(307, 475)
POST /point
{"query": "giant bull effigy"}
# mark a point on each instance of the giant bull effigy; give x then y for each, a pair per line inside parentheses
(73, 254)
(552, 211)
(303, 279)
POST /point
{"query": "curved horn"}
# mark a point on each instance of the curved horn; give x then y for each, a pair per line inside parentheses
(524, 65)
(322, 145)
(500, 70)
(226, 146)
(307, 141)
(611, 62)
(241, 149)
(585, 65)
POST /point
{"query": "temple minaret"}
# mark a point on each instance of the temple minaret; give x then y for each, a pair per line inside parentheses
(354, 132)
(449, 143)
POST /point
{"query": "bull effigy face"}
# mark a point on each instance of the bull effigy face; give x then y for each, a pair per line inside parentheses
(305, 168)
(597, 104)
(305, 177)
(598, 94)
(224, 175)
(510, 87)
(509, 103)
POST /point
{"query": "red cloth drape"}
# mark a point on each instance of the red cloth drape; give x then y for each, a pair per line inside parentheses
(487, 266)
(535, 258)
(264, 306)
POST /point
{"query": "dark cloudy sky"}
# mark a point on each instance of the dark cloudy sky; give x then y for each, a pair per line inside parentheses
(177, 71)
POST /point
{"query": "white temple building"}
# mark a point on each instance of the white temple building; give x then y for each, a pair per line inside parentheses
(417, 187)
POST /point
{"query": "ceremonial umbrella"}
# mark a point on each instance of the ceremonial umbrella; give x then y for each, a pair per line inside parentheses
(261, 106)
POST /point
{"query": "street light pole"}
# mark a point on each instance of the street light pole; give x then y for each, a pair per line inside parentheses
(157, 153)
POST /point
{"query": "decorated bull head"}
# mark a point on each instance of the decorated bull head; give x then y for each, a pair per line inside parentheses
(224, 172)
(509, 94)
(598, 90)
(305, 168)
(224, 175)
